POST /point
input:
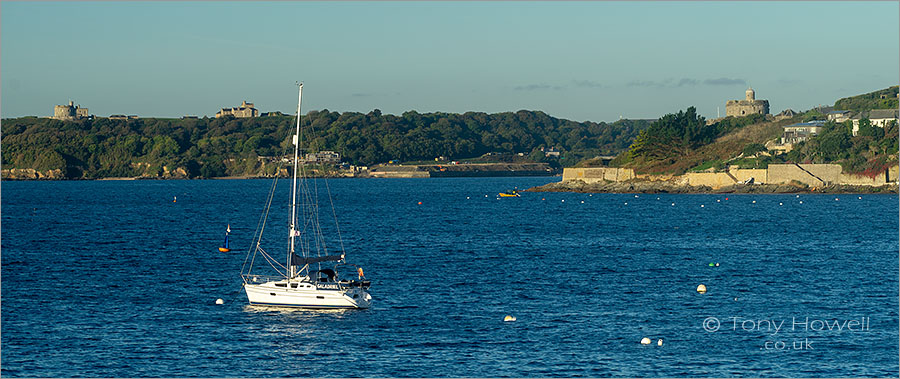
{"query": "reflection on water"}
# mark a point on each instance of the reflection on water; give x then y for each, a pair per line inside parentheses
(300, 313)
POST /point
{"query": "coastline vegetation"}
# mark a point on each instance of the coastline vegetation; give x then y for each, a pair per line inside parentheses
(218, 147)
(683, 142)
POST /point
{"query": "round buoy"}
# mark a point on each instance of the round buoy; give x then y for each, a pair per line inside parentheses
(726, 198)
(701, 206)
(798, 195)
(485, 196)
(718, 201)
(673, 204)
(635, 195)
(543, 198)
(626, 203)
(467, 198)
(859, 197)
(659, 342)
(780, 204)
(591, 195)
(645, 341)
(717, 264)
(509, 318)
(835, 199)
(582, 201)
(220, 301)
(754, 201)
(801, 201)
(420, 203)
(701, 288)
(175, 199)
(735, 299)
(564, 200)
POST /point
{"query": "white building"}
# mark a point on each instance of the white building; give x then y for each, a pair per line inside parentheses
(878, 117)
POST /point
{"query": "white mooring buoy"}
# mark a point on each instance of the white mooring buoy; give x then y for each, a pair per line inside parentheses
(220, 301)
(509, 318)
(701, 288)
(645, 341)
(659, 342)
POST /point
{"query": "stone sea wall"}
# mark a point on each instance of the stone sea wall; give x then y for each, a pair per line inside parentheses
(593, 175)
(813, 175)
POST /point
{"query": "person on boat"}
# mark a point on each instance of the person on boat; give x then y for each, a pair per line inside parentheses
(359, 270)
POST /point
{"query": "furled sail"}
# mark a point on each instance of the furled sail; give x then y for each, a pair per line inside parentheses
(297, 260)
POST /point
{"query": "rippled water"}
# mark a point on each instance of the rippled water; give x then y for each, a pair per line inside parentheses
(113, 279)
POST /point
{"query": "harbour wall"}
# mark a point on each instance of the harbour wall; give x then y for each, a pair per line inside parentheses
(460, 170)
(593, 175)
(810, 174)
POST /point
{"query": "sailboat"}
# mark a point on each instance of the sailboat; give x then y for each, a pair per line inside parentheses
(304, 280)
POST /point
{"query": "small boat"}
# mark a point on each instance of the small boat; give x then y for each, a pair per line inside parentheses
(225, 247)
(513, 193)
(301, 280)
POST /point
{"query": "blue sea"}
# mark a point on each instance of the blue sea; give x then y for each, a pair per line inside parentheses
(115, 279)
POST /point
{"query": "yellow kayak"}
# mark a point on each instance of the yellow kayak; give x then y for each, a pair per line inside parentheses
(509, 194)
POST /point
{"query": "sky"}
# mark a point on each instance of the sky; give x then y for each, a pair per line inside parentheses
(584, 61)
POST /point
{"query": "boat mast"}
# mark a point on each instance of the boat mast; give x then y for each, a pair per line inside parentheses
(296, 139)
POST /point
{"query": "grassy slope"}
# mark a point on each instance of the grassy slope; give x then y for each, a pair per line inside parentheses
(723, 149)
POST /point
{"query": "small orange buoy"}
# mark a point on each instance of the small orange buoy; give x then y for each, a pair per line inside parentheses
(175, 199)
(420, 203)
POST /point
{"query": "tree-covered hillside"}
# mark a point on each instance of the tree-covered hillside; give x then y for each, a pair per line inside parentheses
(157, 147)
(881, 99)
(682, 142)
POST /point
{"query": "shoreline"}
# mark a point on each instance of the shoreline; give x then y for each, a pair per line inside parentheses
(650, 187)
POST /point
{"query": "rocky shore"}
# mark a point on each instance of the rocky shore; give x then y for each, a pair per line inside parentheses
(645, 186)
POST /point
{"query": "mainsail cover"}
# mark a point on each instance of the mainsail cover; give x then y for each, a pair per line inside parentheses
(297, 260)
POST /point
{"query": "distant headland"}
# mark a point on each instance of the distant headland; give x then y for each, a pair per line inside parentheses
(850, 146)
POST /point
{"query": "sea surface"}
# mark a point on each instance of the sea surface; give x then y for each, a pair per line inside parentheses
(115, 279)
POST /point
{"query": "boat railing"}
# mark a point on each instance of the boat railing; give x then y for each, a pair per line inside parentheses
(254, 279)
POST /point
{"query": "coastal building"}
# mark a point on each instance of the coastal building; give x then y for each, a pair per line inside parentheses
(838, 116)
(551, 152)
(70, 112)
(123, 117)
(323, 157)
(748, 106)
(785, 114)
(245, 110)
(878, 117)
(795, 133)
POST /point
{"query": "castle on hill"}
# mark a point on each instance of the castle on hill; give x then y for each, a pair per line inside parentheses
(70, 112)
(746, 107)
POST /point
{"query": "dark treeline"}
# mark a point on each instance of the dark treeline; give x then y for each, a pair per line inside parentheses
(233, 146)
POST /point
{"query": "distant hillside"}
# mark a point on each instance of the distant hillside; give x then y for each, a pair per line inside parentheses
(881, 99)
(682, 142)
(156, 147)
(678, 143)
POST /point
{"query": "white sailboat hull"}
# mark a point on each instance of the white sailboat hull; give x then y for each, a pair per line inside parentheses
(306, 296)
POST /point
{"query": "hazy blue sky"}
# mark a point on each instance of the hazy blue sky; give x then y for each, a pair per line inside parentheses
(578, 60)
